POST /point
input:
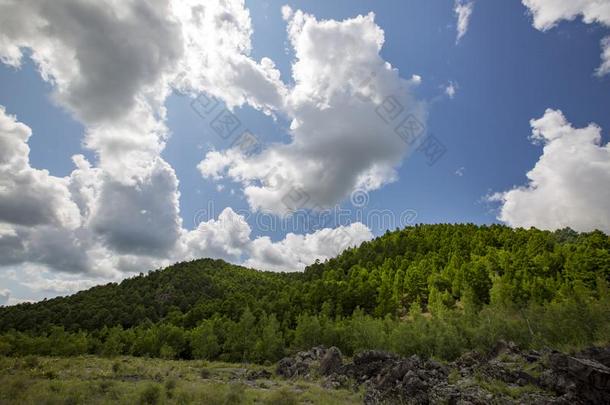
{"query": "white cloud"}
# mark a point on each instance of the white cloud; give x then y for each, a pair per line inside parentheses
(5, 296)
(338, 142)
(29, 196)
(143, 219)
(112, 64)
(287, 12)
(463, 11)
(122, 229)
(226, 238)
(604, 68)
(103, 58)
(217, 48)
(295, 252)
(451, 89)
(570, 183)
(82, 223)
(548, 13)
(39, 279)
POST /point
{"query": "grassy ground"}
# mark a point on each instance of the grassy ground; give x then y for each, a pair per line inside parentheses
(129, 380)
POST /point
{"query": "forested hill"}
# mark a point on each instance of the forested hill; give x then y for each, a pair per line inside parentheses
(383, 276)
(198, 288)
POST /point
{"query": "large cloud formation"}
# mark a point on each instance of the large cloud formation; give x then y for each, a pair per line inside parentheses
(340, 137)
(548, 13)
(112, 64)
(570, 184)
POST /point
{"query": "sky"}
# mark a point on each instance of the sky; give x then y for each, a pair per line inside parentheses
(134, 134)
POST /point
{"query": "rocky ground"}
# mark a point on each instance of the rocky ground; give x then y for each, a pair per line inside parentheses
(507, 375)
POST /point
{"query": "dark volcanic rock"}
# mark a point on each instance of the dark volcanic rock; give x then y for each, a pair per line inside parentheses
(373, 356)
(289, 367)
(331, 362)
(506, 375)
(257, 375)
(580, 378)
(600, 354)
(300, 364)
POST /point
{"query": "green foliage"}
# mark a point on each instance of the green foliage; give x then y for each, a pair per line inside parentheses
(283, 397)
(235, 394)
(429, 289)
(204, 342)
(270, 344)
(308, 332)
(151, 395)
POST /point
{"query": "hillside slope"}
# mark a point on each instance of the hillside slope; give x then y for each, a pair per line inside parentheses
(429, 289)
(202, 286)
(383, 276)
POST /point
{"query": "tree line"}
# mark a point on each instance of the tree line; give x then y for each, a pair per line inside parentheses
(429, 289)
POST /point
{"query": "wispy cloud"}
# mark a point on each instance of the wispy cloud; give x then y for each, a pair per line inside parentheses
(463, 11)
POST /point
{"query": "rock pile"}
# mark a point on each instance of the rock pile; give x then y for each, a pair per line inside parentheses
(507, 375)
(302, 363)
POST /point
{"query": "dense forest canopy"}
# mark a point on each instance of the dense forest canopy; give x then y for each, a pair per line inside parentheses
(431, 284)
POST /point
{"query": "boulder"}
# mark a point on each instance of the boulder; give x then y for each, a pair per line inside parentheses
(331, 362)
(258, 374)
(389, 378)
(289, 367)
(300, 364)
(586, 380)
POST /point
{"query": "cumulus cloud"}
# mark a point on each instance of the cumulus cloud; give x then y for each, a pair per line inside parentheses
(120, 213)
(604, 68)
(217, 56)
(110, 64)
(40, 279)
(340, 138)
(295, 252)
(570, 184)
(121, 229)
(226, 238)
(143, 219)
(548, 13)
(463, 11)
(5, 296)
(29, 196)
(98, 77)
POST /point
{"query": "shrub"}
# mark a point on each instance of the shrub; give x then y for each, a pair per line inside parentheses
(170, 386)
(31, 362)
(150, 395)
(235, 395)
(283, 396)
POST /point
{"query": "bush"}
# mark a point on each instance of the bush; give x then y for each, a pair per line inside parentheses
(283, 396)
(235, 395)
(31, 362)
(204, 342)
(170, 386)
(150, 395)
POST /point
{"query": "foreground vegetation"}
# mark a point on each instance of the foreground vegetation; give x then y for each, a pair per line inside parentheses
(433, 290)
(128, 380)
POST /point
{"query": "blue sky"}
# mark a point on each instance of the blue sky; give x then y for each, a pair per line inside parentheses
(505, 71)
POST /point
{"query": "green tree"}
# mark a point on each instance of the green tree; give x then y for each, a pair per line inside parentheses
(204, 342)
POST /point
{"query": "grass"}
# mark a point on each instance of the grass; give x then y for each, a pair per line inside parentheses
(131, 380)
(499, 387)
